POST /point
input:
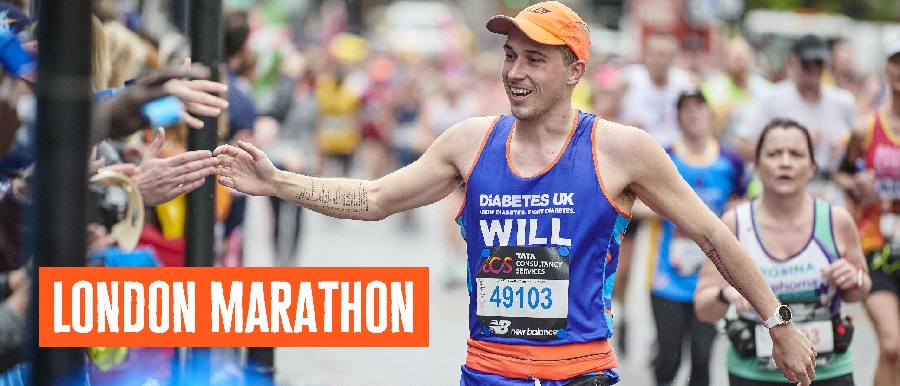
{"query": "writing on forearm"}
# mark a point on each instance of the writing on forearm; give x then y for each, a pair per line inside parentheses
(713, 256)
(353, 201)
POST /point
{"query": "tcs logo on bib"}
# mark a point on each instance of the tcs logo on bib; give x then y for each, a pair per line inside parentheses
(496, 265)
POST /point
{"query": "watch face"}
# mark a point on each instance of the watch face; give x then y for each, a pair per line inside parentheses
(785, 313)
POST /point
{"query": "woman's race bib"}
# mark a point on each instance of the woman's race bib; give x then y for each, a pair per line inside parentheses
(814, 321)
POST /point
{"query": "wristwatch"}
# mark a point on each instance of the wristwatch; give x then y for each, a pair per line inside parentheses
(782, 315)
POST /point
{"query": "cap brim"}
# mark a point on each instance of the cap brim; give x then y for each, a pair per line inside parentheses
(501, 25)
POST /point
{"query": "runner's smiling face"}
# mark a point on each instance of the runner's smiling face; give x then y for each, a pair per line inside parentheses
(534, 76)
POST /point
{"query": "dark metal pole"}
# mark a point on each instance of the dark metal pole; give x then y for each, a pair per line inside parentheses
(181, 15)
(206, 48)
(61, 145)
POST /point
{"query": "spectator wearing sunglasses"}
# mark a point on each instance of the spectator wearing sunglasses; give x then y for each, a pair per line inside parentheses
(827, 111)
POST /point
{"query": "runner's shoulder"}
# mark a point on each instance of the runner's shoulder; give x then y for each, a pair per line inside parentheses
(462, 141)
(622, 142)
(475, 125)
(843, 222)
(468, 133)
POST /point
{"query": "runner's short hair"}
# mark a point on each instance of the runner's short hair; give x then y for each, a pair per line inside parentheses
(568, 55)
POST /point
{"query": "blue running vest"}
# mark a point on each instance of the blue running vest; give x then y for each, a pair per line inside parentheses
(542, 251)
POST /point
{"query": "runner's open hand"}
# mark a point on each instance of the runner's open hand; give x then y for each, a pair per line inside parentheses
(793, 353)
(246, 169)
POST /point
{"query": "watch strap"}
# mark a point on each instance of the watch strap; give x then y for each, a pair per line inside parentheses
(775, 319)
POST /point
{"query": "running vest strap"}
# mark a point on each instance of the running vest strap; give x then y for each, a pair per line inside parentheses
(542, 250)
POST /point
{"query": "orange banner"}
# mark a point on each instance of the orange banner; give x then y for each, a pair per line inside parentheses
(234, 307)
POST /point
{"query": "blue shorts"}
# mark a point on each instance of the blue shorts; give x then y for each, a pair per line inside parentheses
(477, 378)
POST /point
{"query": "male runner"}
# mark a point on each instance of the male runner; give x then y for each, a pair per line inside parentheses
(548, 193)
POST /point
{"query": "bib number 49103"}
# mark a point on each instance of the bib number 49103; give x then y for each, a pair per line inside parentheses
(520, 297)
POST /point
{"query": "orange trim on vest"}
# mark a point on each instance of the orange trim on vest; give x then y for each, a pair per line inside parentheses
(541, 362)
(597, 170)
(477, 156)
(552, 164)
(886, 129)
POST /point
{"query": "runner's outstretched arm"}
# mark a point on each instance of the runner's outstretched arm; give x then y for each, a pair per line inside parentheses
(432, 177)
(707, 304)
(656, 182)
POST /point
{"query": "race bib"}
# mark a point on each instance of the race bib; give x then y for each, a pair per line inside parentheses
(819, 332)
(523, 292)
(685, 256)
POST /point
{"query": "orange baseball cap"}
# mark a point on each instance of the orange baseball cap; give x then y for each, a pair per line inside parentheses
(549, 22)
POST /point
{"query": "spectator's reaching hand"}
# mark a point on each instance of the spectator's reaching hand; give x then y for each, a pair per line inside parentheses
(121, 114)
(162, 179)
(194, 92)
(197, 99)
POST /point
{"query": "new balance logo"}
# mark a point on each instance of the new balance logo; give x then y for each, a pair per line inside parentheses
(499, 326)
(539, 10)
